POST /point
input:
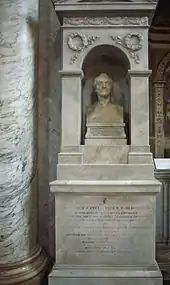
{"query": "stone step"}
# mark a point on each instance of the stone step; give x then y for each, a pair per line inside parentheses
(70, 158)
(106, 186)
(102, 140)
(105, 154)
(105, 172)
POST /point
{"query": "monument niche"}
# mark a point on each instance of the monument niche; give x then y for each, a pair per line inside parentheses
(105, 191)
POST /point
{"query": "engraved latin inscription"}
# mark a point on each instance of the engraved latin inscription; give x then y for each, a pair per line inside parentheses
(109, 228)
(98, 225)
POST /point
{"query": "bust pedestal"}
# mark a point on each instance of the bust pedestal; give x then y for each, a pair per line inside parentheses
(105, 134)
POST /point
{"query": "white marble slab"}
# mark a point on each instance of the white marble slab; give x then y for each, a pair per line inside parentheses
(110, 230)
(162, 163)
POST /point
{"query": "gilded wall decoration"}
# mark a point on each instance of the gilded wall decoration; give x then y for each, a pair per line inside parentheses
(77, 42)
(133, 42)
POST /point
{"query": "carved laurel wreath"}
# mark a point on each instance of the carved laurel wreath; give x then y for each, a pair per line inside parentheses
(129, 44)
(83, 41)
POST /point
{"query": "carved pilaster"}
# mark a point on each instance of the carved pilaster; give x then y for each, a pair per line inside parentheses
(159, 118)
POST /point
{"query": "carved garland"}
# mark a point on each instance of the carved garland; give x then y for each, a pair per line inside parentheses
(133, 42)
(83, 43)
(104, 21)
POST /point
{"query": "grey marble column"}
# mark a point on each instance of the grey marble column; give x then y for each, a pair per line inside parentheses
(20, 256)
(163, 221)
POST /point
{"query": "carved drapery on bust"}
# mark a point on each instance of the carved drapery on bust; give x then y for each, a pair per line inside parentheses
(104, 111)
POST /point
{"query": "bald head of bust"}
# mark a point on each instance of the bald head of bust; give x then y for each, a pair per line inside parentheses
(103, 85)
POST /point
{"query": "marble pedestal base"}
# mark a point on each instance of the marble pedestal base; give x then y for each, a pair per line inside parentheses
(105, 233)
(83, 275)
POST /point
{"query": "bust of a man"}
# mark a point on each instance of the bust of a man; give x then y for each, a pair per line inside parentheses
(104, 111)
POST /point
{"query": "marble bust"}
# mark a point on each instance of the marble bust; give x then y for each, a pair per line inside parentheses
(104, 111)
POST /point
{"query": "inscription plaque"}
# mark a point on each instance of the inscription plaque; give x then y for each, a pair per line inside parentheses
(105, 230)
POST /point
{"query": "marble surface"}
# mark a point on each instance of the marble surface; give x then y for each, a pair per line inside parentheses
(108, 276)
(139, 108)
(105, 172)
(93, 154)
(105, 129)
(105, 234)
(71, 105)
(115, 229)
(18, 119)
(105, 154)
(102, 36)
(140, 158)
(105, 187)
(70, 158)
(105, 141)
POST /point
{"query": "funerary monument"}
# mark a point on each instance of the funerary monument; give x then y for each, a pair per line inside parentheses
(105, 192)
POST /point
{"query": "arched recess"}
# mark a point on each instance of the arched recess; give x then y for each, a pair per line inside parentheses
(166, 111)
(158, 91)
(114, 62)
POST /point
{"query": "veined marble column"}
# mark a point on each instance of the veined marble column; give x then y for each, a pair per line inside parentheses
(20, 257)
